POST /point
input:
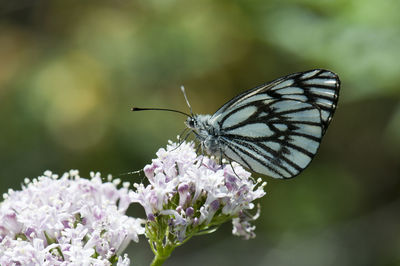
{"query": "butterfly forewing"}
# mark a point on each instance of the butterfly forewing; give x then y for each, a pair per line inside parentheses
(318, 87)
(275, 129)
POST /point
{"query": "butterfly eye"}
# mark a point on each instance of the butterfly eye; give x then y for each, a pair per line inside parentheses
(190, 122)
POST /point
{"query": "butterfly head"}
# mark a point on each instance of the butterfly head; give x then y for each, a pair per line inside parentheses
(200, 125)
(191, 122)
(198, 122)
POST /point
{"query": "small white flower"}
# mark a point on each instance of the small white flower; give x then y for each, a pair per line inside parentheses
(192, 194)
(68, 220)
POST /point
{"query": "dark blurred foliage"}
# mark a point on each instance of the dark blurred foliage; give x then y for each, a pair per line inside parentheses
(71, 70)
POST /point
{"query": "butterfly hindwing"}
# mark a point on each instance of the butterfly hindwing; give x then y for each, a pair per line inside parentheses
(276, 141)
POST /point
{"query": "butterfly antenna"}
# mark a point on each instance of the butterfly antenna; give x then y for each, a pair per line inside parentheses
(134, 109)
(187, 101)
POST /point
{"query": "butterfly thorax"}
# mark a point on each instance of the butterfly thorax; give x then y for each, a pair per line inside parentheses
(208, 133)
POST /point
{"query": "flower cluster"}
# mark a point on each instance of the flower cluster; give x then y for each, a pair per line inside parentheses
(67, 220)
(189, 194)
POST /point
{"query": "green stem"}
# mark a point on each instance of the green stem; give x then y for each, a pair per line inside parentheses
(158, 260)
(162, 254)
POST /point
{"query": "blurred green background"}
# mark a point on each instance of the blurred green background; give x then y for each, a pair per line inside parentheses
(71, 70)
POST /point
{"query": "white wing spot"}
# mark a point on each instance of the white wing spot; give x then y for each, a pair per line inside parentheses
(310, 74)
(252, 130)
(324, 102)
(295, 97)
(320, 81)
(311, 115)
(323, 92)
(283, 84)
(272, 145)
(290, 90)
(239, 116)
(289, 105)
(298, 157)
(289, 167)
(329, 74)
(258, 97)
(269, 101)
(325, 115)
(305, 143)
(310, 130)
(281, 127)
(330, 81)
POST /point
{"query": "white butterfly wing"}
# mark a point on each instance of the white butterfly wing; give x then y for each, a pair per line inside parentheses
(275, 129)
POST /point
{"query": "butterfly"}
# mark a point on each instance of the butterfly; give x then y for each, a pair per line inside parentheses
(274, 129)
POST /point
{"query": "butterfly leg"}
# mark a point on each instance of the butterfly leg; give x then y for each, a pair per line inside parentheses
(233, 169)
(198, 148)
(180, 135)
(181, 141)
